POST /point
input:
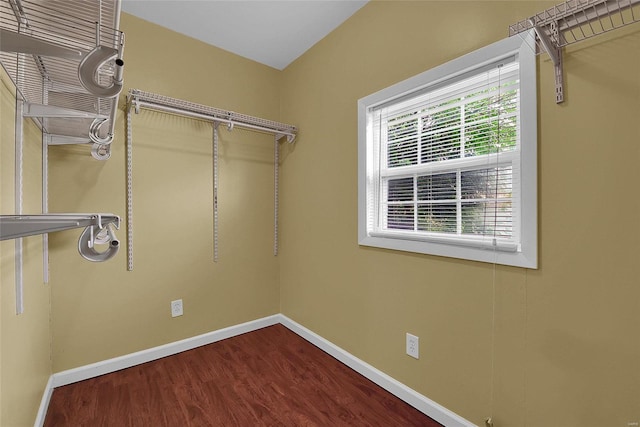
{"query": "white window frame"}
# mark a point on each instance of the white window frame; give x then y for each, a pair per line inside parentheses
(524, 254)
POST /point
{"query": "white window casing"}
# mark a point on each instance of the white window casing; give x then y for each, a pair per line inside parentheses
(447, 159)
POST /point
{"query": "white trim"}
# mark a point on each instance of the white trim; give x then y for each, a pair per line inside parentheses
(44, 403)
(122, 362)
(401, 391)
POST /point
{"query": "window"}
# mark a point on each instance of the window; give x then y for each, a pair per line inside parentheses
(447, 159)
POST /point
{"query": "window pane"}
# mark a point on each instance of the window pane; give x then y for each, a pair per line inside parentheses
(437, 218)
(436, 118)
(441, 146)
(400, 217)
(486, 183)
(492, 122)
(400, 190)
(441, 133)
(437, 187)
(487, 218)
(402, 141)
(508, 133)
(481, 138)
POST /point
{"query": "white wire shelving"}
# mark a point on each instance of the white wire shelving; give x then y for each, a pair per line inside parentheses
(574, 21)
(141, 99)
(138, 99)
(66, 61)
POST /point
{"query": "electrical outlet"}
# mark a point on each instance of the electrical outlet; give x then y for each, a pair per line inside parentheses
(176, 308)
(413, 346)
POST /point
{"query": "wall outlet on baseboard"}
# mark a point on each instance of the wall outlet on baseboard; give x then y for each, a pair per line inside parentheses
(176, 308)
(413, 346)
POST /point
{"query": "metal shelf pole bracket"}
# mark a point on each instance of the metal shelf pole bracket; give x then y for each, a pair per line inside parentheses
(555, 53)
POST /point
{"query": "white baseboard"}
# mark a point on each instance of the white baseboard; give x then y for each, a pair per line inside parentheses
(44, 403)
(412, 397)
(111, 365)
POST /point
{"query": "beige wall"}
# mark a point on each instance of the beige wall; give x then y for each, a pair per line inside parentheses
(557, 346)
(554, 346)
(25, 352)
(102, 310)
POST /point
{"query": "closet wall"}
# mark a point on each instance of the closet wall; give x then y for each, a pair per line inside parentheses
(554, 346)
(557, 345)
(101, 310)
(25, 355)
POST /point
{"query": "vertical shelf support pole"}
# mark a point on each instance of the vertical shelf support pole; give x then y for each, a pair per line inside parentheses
(18, 203)
(557, 63)
(45, 204)
(276, 172)
(46, 139)
(130, 106)
(215, 191)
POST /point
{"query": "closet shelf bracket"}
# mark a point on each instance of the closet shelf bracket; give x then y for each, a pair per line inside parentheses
(290, 137)
(555, 53)
(52, 111)
(574, 21)
(67, 140)
(22, 43)
(16, 226)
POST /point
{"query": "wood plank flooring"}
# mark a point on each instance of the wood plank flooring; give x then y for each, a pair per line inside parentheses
(269, 377)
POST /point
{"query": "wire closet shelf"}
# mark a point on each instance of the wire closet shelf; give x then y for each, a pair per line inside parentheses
(138, 99)
(574, 21)
(65, 59)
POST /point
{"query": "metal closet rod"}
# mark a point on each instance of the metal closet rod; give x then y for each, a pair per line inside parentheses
(279, 129)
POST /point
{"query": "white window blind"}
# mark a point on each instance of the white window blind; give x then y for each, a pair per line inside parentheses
(443, 161)
(447, 159)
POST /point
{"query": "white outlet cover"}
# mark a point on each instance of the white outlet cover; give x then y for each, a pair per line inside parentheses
(413, 346)
(176, 308)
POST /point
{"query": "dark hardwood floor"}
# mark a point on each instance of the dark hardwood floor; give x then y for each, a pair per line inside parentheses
(269, 377)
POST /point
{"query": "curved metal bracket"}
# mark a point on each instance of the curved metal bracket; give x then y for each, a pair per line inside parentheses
(88, 238)
(101, 152)
(94, 132)
(88, 69)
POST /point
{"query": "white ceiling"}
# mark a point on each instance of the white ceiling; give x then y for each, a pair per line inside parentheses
(271, 32)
